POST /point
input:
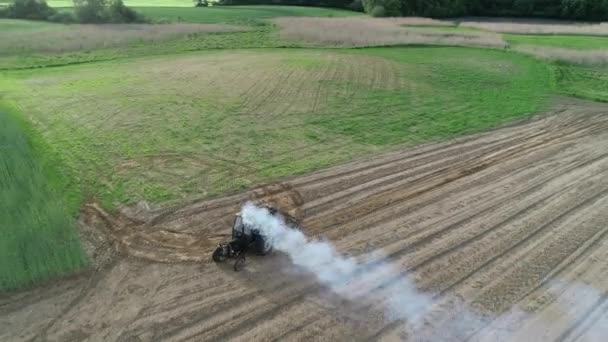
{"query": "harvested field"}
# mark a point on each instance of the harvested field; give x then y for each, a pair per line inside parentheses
(537, 27)
(360, 32)
(514, 25)
(505, 231)
(589, 57)
(67, 38)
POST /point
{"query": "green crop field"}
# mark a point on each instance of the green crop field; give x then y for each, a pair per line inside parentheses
(573, 42)
(38, 235)
(177, 111)
(588, 82)
(8, 26)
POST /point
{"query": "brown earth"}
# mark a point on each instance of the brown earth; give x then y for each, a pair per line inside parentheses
(507, 230)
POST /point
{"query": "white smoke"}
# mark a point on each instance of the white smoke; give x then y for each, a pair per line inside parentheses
(349, 277)
(378, 281)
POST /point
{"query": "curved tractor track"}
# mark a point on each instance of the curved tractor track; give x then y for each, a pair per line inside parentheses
(506, 231)
(147, 235)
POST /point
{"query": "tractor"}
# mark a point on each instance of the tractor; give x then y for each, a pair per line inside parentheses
(244, 239)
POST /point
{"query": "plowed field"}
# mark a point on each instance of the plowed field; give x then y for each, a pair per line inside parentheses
(506, 230)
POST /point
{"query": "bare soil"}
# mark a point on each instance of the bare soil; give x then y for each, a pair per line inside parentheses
(506, 229)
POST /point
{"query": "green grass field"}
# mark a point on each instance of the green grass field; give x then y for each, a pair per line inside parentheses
(588, 82)
(13, 25)
(133, 3)
(571, 42)
(223, 121)
(210, 113)
(39, 238)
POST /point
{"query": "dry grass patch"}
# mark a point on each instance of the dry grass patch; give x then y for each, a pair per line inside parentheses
(360, 32)
(421, 21)
(590, 57)
(69, 38)
(538, 27)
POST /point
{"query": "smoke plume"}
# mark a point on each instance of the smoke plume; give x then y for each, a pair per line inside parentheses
(346, 276)
(376, 280)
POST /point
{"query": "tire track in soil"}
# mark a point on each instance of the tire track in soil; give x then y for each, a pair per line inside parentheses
(387, 198)
(453, 221)
(486, 204)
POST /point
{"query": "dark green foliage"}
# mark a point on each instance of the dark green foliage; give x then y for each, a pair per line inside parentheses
(356, 5)
(382, 8)
(61, 17)
(30, 9)
(90, 11)
(119, 13)
(585, 9)
(201, 3)
(378, 11)
(595, 10)
(524, 7)
(102, 11)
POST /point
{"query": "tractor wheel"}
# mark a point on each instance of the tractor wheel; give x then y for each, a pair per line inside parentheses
(239, 264)
(218, 255)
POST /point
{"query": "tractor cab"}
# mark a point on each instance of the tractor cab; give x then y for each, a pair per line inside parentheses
(244, 236)
(238, 228)
(241, 231)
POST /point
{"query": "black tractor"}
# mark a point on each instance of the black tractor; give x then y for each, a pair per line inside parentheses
(244, 239)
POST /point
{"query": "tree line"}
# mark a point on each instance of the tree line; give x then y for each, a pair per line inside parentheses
(85, 11)
(595, 10)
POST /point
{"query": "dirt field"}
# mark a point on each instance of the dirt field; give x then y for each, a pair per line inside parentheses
(505, 230)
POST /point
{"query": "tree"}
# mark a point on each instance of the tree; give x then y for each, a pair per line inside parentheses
(104, 11)
(90, 11)
(385, 8)
(585, 9)
(30, 9)
(524, 7)
(119, 13)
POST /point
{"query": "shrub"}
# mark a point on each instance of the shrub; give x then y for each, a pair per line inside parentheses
(62, 17)
(201, 3)
(356, 6)
(388, 8)
(100, 11)
(119, 13)
(378, 11)
(30, 9)
(90, 11)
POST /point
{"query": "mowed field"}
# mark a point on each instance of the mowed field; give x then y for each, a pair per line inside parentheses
(457, 150)
(505, 231)
(162, 129)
